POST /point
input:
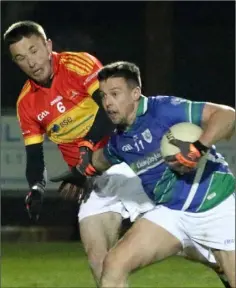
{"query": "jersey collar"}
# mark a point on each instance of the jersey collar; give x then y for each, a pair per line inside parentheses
(142, 109)
(142, 106)
(55, 63)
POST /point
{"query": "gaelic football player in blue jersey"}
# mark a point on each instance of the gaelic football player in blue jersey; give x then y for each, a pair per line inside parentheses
(193, 204)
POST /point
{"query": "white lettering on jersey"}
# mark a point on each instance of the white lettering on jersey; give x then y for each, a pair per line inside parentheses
(211, 196)
(60, 107)
(42, 115)
(135, 137)
(26, 132)
(127, 148)
(57, 99)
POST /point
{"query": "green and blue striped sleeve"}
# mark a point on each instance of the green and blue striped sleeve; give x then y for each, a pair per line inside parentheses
(179, 110)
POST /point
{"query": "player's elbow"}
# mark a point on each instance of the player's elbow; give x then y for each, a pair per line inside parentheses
(230, 111)
(231, 119)
(218, 112)
(227, 114)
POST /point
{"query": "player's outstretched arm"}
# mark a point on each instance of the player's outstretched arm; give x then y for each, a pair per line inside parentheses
(91, 163)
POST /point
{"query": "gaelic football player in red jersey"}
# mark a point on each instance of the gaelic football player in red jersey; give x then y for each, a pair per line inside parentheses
(61, 100)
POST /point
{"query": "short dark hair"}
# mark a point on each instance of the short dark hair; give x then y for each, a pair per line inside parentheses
(127, 70)
(22, 29)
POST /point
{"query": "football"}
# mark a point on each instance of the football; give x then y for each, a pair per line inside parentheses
(184, 131)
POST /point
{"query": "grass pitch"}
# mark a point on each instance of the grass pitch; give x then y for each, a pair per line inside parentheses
(65, 265)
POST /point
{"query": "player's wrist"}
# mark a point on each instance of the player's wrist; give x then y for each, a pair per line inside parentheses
(86, 143)
(88, 171)
(38, 187)
(200, 147)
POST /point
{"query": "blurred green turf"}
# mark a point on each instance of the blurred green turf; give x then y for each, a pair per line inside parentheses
(65, 265)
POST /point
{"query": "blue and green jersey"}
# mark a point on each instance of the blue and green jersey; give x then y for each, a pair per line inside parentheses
(139, 147)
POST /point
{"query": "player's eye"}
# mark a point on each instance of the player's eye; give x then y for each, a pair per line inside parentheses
(34, 51)
(114, 94)
(20, 59)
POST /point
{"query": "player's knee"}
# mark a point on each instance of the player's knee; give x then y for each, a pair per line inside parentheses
(96, 259)
(115, 266)
(113, 272)
(227, 262)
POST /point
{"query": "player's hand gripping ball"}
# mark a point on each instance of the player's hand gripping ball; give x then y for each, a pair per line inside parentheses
(180, 147)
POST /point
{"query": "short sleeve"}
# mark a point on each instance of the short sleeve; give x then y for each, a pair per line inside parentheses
(31, 130)
(178, 110)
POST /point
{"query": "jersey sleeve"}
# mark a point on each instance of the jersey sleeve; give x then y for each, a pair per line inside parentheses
(176, 110)
(110, 152)
(31, 130)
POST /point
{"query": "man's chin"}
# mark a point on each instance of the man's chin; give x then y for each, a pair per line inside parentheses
(41, 80)
(115, 121)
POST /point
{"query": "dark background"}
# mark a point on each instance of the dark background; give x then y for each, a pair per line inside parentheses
(183, 48)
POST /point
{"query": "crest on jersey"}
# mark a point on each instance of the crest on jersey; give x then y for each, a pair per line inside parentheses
(147, 136)
(74, 94)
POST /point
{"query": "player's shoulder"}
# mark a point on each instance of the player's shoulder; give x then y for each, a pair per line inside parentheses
(163, 100)
(79, 63)
(79, 57)
(24, 93)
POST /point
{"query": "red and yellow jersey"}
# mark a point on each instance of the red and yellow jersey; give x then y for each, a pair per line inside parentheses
(64, 112)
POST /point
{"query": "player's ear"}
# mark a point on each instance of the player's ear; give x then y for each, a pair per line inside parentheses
(136, 93)
(49, 45)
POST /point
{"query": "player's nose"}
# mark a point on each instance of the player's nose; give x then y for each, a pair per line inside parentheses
(107, 102)
(31, 63)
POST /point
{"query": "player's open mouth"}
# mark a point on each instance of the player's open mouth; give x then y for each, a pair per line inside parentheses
(111, 113)
(37, 72)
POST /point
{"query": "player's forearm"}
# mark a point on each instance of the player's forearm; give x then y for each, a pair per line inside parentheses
(35, 169)
(220, 125)
(99, 161)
